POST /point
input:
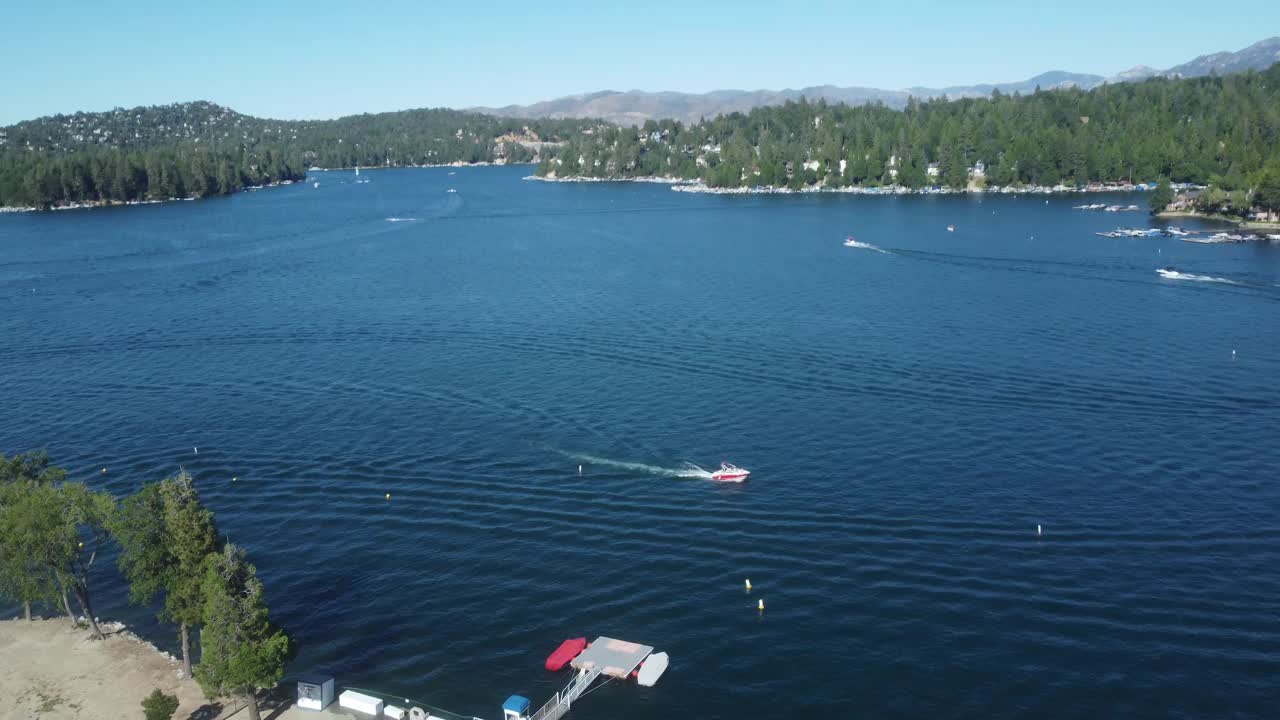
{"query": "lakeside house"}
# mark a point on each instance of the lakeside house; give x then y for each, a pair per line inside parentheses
(1184, 201)
(932, 170)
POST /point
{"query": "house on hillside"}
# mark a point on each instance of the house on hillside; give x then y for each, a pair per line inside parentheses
(1184, 201)
(933, 169)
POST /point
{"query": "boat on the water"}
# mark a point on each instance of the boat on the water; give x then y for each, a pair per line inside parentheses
(951, 228)
(563, 655)
(652, 669)
(730, 473)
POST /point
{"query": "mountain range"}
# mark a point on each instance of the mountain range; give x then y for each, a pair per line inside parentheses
(633, 107)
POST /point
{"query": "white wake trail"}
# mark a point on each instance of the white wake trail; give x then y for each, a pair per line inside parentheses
(865, 246)
(685, 470)
(1176, 275)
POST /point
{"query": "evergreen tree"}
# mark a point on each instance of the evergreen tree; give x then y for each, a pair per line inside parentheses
(1267, 193)
(159, 705)
(166, 534)
(241, 652)
(1161, 196)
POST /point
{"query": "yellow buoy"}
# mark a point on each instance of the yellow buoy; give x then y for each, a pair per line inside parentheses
(104, 471)
(760, 606)
(234, 479)
(388, 496)
(748, 584)
(81, 544)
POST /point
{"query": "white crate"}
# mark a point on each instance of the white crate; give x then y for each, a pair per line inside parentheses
(352, 700)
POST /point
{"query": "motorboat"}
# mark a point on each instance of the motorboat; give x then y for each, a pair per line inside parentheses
(850, 242)
(730, 473)
(1170, 272)
(951, 228)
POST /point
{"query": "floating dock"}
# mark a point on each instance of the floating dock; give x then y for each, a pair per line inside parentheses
(604, 657)
(615, 658)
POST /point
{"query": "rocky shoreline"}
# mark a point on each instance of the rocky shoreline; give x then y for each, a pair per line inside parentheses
(698, 186)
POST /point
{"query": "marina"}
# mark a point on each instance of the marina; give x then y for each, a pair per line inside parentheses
(605, 657)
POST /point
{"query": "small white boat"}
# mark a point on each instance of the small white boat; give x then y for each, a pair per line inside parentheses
(316, 185)
(951, 228)
(452, 190)
(730, 473)
(652, 669)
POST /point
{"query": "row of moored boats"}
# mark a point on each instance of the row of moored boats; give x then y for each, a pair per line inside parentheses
(1103, 207)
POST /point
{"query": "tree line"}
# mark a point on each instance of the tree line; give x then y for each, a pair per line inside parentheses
(53, 530)
(201, 149)
(1223, 131)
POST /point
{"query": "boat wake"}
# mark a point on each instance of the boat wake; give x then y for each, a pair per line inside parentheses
(684, 470)
(865, 246)
(1171, 274)
(399, 219)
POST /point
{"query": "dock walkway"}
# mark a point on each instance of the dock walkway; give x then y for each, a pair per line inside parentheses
(557, 706)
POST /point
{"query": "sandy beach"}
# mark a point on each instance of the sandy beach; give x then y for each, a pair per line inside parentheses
(52, 671)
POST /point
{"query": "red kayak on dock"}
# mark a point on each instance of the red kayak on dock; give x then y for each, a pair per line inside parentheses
(568, 650)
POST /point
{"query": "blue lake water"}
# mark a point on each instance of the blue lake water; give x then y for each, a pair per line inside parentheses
(909, 417)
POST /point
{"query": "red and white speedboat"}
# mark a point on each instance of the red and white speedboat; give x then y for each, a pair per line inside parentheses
(730, 473)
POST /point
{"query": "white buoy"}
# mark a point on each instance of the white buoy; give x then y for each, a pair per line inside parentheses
(760, 606)
(748, 584)
(1038, 531)
(195, 450)
(1233, 352)
(579, 471)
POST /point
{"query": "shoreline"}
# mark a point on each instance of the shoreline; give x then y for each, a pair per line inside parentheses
(638, 179)
(1237, 221)
(698, 186)
(93, 204)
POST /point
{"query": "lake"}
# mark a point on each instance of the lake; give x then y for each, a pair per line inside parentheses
(909, 418)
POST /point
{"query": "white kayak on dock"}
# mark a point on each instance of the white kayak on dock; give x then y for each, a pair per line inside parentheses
(652, 669)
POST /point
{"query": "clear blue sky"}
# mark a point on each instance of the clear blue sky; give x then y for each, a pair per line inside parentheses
(323, 59)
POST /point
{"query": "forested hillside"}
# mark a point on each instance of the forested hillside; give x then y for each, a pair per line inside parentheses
(1220, 130)
(199, 149)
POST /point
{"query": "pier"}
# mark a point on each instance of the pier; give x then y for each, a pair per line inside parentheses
(605, 657)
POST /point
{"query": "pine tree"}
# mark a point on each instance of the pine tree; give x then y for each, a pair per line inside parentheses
(1161, 196)
(166, 534)
(241, 652)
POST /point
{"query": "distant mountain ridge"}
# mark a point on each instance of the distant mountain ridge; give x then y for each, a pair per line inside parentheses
(633, 107)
